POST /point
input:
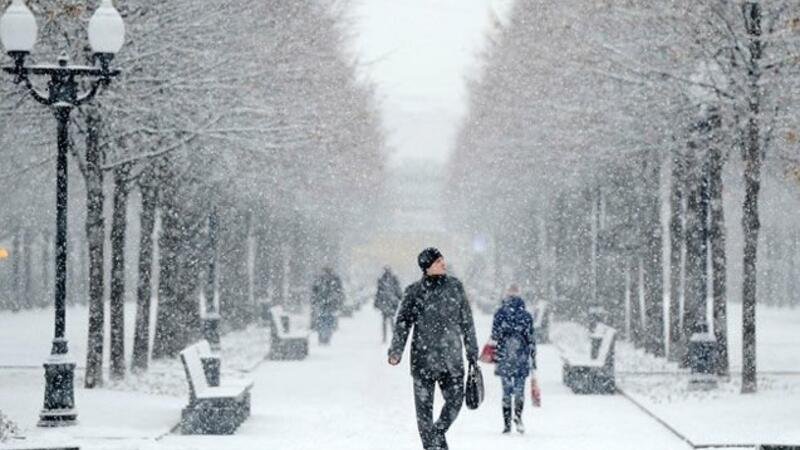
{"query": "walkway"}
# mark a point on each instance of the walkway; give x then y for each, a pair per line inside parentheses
(347, 397)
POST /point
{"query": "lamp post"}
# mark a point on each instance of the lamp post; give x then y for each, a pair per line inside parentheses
(106, 35)
(211, 316)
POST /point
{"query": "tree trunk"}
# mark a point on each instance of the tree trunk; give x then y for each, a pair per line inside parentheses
(635, 305)
(752, 180)
(794, 274)
(696, 246)
(119, 224)
(16, 269)
(597, 204)
(192, 239)
(783, 282)
(45, 295)
(83, 273)
(147, 220)
(498, 258)
(261, 272)
(296, 268)
(584, 251)
(769, 268)
(166, 342)
(719, 263)
(252, 313)
(278, 268)
(95, 237)
(211, 281)
(654, 261)
(677, 203)
(233, 270)
(27, 265)
(178, 317)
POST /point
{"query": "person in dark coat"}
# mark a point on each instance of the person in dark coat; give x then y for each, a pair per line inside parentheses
(512, 331)
(437, 308)
(327, 298)
(387, 299)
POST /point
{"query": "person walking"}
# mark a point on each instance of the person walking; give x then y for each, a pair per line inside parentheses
(327, 298)
(437, 309)
(513, 333)
(387, 299)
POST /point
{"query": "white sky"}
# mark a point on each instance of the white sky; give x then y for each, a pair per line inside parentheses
(419, 53)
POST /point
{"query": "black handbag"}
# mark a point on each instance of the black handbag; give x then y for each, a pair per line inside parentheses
(474, 391)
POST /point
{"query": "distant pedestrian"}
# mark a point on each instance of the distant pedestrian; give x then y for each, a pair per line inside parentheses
(327, 298)
(387, 299)
(512, 331)
(437, 308)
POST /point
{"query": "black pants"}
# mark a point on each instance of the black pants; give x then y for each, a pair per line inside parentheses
(452, 386)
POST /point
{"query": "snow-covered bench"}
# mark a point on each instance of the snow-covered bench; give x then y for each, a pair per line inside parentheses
(212, 409)
(595, 374)
(287, 339)
(541, 323)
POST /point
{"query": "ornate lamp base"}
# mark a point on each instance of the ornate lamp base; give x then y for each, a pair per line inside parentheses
(59, 394)
(210, 324)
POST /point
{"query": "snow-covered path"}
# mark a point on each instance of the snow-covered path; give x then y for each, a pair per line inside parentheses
(347, 397)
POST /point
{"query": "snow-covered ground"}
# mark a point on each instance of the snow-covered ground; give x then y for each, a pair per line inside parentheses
(722, 415)
(26, 335)
(346, 397)
(140, 407)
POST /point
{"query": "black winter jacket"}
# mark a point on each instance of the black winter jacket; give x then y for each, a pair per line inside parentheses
(438, 310)
(389, 293)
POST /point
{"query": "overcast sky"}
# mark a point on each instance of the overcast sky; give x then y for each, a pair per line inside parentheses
(419, 53)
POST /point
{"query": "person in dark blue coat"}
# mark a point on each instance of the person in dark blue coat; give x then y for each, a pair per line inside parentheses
(512, 331)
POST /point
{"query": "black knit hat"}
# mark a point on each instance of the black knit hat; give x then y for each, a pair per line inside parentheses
(428, 257)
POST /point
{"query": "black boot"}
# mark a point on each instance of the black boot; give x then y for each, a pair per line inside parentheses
(518, 405)
(506, 419)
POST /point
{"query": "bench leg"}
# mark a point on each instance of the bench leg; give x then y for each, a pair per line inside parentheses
(243, 408)
(289, 349)
(209, 420)
(603, 383)
(588, 380)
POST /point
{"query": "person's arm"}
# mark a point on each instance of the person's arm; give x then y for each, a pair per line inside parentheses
(403, 322)
(468, 328)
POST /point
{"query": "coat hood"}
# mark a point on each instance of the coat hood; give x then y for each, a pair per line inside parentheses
(514, 303)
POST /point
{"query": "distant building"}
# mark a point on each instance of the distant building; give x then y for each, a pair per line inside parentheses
(414, 219)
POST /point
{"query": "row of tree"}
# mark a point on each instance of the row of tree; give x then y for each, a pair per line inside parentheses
(238, 145)
(591, 120)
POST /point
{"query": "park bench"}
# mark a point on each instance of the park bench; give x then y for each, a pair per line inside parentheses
(541, 323)
(288, 341)
(595, 374)
(211, 409)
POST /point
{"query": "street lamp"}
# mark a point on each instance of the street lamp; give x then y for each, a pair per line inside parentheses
(211, 316)
(106, 36)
